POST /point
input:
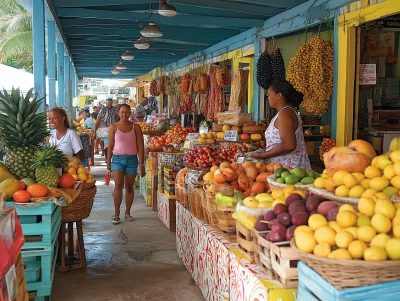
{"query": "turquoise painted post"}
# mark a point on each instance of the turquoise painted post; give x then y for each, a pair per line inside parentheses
(60, 74)
(51, 62)
(256, 93)
(335, 72)
(39, 50)
(67, 95)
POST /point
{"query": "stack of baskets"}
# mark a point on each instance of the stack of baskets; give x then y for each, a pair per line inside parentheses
(210, 207)
(81, 207)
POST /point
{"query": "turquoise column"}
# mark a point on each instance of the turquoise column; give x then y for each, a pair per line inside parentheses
(67, 95)
(256, 93)
(51, 62)
(39, 50)
(60, 74)
(72, 77)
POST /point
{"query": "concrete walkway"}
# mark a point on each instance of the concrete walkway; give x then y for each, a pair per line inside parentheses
(131, 261)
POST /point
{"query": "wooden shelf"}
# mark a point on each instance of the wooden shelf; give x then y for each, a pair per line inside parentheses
(312, 125)
(315, 137)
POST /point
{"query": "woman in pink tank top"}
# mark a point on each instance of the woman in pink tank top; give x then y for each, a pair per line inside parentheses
(125, 145)
(284, 136)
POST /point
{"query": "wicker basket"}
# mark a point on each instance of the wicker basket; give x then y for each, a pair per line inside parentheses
(352, 273)
(332, 197)
(87, 186)
(276, 186)
(80, 208)
(251, 129)
(217, 127)
(211, 209)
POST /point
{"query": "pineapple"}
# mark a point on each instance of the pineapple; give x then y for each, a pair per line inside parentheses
(22, 129)
(45, 162)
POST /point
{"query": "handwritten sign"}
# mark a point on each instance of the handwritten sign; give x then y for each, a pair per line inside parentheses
(192, 136)
(240, 160)
(367, 74)
(231, 136)
(203, 130)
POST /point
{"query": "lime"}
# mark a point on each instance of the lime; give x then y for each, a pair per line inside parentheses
(278, 172)
(307, 180)
(298, 183)
(291, 179)
(285, 174)
(311, 173)
(299, 172)
(280, 180)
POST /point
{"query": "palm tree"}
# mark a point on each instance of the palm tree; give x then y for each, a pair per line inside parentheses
(15, 35)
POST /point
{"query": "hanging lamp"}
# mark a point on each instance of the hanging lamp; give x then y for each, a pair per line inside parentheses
(141, 43)
(127, 56)
(166, 10)
(115, 71)
(120, 66)
(152, 31)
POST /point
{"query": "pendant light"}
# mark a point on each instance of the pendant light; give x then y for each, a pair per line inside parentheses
(120, 66)
(142, 43)
(115, 71)
(127, 56)
(152, 31)
(166, 10)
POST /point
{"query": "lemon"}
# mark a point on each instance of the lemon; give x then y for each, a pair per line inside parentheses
(347, 207)
(379, 183)
(82, 177)
(363, 220)
(368, 193)
(346, 218)
(357, 249)
(398, 210)
(81, 171)
(320, 183)
(340, 254)
(381, 223)
(87, 170)
(396, 230)
(343, 239)
(289, 189)
(372, 172)
(375, 254)
(350, 181)
(335, 226)
(385, 207)
(303, 228)
(352, 230)
(366, 233)
(73, 165)
(339, 176)
(356, 191)
(365, 183)
(380, 240)
(395, 181)
(325, 234)
(278, 201)
(397, 169)
(76, 177)
(359, 176)
(393, 248)
(381, 195)
(277, 194)
(317, 220)
(71, 171)
(322, 249)
(388, 172)
(342, 191)
(366, 206)
(305, 241)
(395, 220)
(390, 191)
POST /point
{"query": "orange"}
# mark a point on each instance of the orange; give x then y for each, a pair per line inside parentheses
(71, 171)
(75, 177)
(37, 190)
(81, 170)
(21, 196)
(82, 177)
(73, 165)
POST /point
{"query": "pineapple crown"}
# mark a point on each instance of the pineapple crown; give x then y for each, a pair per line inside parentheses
(20, 124)
(49, 155)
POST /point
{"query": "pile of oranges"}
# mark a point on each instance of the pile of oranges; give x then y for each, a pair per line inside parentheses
(80, 173)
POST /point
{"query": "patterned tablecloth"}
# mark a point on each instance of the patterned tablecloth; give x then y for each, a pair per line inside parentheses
(217, 267)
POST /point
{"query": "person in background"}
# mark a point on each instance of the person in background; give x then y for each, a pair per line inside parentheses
(152, 106)
(106, 117)
(63, 136)
(126, 153)
(96, 110)
(140, 111)
(90, 125)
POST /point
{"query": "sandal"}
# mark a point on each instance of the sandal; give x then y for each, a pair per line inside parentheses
(115, 220)
(128, 218)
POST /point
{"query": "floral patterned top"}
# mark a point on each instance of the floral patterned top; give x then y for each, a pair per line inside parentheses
(297, 158)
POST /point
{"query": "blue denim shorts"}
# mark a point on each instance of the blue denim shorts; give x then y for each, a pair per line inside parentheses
(125, 163)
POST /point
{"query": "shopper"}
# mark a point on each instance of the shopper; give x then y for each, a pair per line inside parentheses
(140, 110)
(284, 136)
(126, 153)
(62, 136)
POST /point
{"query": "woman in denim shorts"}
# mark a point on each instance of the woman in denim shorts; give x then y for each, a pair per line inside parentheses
(126, 154)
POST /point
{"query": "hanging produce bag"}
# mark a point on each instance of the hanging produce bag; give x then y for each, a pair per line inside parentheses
(239, 91)
(264, 70)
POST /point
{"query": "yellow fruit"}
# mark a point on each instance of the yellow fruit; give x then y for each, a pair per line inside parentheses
(396, 168)
(214, 169)
(365, 183)
(385, 207)
(346, 218)
(359, 176)
(395, 155)
(382, 161)
(347, 207)
(73, 165)
(322, 249)
(366, 233)
(226, 128)
(320, 183)
(81, 166)
(388, 172)
(82, 177)
(381, 195)
(396, 230)
(305, 241)
(343, 239)
(356, 191)
(341, 254)
(90, 176)
(395, 220)
(81, 171)
(390, 191)
(380, 240)
(393, 248)
(325, 176)
(90, 180)
(301, 193)
(71, 171)
(395, 181)
(379, 183)
(352, 230)
(335, 226)
(350, 181)
(366, 206)
(325, 234)
(357, 249)
(87, 170)
(368, 193)
(381, 223)
(277, 194)
(398, 210)
(342, 191)
(303, 228)
(278, 201)
(375, 254)
(363, 220)
(317, 220)
(372, 172)
(76, 177)
(338, 177)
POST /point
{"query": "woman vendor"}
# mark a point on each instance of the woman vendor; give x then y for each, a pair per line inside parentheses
(62, 136)
(284, 136)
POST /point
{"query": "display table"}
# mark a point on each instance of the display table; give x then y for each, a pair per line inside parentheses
(217, 267)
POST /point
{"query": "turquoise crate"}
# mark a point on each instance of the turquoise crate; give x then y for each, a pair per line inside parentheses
(313, 287)
(40, 225)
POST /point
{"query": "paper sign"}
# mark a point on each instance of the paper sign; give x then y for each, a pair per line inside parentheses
(192, 136)
(367, 74)
(240, 160)
(231, 136)
(203, 130)
(187, 145)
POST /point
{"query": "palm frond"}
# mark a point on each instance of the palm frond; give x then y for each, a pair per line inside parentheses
(16, 44)
(10, 7)
(19, 23)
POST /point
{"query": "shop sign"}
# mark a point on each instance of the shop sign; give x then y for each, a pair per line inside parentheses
(231, 136)
(203, 130)
(367, 74)
(120, 91)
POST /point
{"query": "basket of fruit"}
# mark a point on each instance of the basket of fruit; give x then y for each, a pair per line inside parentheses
(299, 177)
(81, 207)
(88, 185)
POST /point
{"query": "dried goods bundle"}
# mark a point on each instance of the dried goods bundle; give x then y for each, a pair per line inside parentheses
(153, 88)
(239, 91)
(161, 84)
(185, 83)
(215, 99)
(223, 77)
(204, 83)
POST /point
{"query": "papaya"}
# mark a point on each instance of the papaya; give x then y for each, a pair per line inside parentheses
(5, 174)
(9, 187)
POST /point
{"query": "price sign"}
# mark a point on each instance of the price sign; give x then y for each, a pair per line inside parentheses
(203, 130)
(192, 136)
(240, 160)
(231, 136)
(187, 145)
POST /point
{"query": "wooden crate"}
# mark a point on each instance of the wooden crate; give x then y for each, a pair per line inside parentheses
(245, 241)
(166, 208)
(226, 223)
(263, 250)
(284, 261)
(217, 127)
(251, 129)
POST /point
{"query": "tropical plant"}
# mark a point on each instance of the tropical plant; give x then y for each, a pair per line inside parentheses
(15, 35)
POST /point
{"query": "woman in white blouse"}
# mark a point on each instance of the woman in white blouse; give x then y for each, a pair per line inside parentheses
(62, 136)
